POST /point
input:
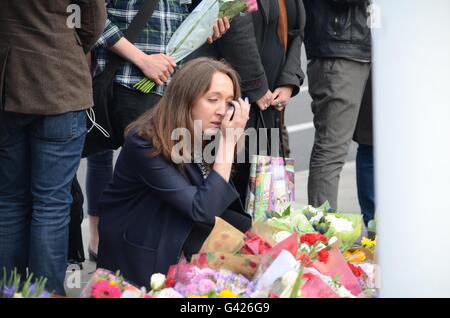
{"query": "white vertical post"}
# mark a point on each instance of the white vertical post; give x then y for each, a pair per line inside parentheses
(412, 146)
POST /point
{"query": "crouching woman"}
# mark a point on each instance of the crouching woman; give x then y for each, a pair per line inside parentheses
(158, 208)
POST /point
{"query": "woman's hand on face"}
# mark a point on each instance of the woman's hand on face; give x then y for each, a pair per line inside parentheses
(281, 97)
(234, 125)
(220, 28)
(157, 67)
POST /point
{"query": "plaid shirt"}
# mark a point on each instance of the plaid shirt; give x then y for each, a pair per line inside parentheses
(155, 36)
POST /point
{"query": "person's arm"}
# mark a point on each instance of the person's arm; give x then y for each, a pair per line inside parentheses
(93, 17)
(198, 203)
(292, 75)
(157, 67)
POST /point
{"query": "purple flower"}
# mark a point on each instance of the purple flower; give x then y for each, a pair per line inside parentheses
(8, 292)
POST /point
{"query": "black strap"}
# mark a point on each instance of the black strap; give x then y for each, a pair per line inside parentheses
(278, 125)
(136, 26)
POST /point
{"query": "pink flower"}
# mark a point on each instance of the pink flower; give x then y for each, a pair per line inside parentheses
(103, 289)
(252, 5)
(205, 286)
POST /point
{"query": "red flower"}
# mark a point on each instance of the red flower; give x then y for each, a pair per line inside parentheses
(308, 276)
(356, 270)
(170, 279)
(313, 238)
(304, 258)
(274, 296)
(323, 255)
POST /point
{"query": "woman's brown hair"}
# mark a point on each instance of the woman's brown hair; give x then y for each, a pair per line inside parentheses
(174, 110)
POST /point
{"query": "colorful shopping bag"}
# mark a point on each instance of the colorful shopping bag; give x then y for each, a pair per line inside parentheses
(271, 186)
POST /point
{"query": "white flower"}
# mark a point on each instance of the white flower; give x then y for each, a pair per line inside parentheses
(18, 295)
(339, 224)
(317, 217)
(305, 248)
(333, 240)
(282, 235)
(157, 281)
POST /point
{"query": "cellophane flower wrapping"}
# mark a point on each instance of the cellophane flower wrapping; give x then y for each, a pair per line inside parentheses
(337, 266)
(194, 30)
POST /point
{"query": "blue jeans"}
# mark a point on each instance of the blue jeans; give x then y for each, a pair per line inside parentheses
(99, 174)
(365, 181)
(39, 156)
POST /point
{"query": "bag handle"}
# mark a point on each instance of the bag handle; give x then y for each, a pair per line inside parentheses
(136, 26)
(277, 125)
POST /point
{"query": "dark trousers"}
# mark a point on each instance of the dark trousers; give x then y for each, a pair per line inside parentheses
(365, 181)
(336, 86)
(128, 104)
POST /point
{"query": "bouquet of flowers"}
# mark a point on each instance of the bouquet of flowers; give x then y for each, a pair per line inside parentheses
(104, 284)
(195, 30)
(12, 287)
(345, 226)
(188, 280)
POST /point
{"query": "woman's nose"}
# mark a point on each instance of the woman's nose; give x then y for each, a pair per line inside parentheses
(222, 108)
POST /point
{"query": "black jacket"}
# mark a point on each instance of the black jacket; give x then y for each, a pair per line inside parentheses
(148, 210)
(337, 28)
(240, 46)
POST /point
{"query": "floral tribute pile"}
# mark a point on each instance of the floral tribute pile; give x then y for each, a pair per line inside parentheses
(304, 253)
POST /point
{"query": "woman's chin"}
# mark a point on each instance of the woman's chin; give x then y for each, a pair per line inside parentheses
(212, 131)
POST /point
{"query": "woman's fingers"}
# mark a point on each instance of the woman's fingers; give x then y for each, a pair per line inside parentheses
(221, 26)
(226, 22)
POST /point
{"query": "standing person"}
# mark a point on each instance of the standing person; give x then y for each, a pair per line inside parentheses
(145, 57)
(364, 156)
(264, 48)
(44, 91)
(338, 47)
(160, 206)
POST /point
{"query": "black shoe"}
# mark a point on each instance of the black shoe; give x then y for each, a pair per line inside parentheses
(92, 255)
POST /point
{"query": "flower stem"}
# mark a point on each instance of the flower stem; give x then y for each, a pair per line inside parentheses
(298, 282)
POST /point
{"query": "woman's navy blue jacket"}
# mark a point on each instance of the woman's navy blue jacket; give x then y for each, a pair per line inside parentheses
(149, 208)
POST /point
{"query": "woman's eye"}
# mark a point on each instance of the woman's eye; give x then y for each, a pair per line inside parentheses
(213, 100)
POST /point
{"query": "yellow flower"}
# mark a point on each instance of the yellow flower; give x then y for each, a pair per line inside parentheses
(354, 256)
(370, 244)
(227, 294)
(195, 296)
